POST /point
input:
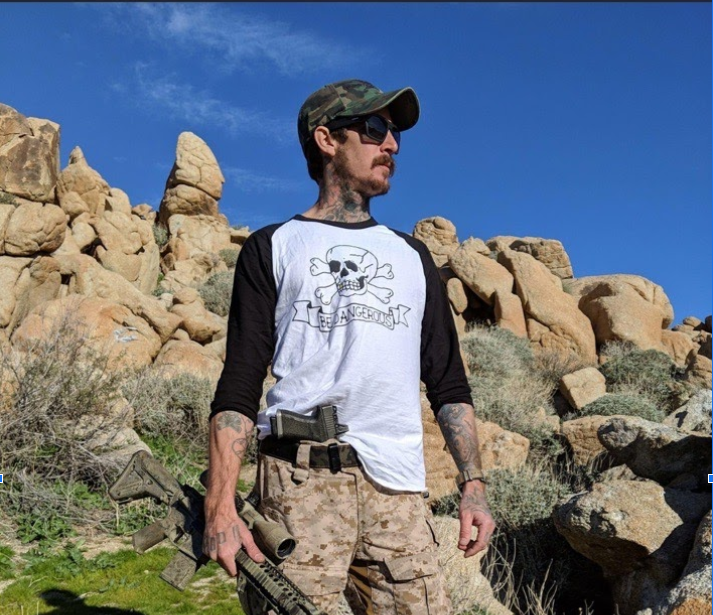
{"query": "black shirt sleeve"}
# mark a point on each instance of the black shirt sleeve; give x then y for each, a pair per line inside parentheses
(251, 328)
(442, 368)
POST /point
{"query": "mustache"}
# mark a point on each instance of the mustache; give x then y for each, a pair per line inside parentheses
(386, 160)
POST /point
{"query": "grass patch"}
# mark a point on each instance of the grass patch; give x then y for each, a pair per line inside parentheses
(629, 405)
(229, 256)
(66, 583)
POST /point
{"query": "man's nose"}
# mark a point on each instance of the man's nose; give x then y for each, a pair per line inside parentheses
(390, 145)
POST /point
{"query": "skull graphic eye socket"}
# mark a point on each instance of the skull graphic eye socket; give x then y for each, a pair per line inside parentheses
(350, 265)
(334, 266)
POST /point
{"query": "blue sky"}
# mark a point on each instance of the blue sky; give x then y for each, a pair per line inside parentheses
(585, 122)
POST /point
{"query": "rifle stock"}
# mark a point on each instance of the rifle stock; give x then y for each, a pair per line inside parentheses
(184, 525)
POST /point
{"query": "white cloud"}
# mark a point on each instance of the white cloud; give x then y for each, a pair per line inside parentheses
(249, 181)
(232, 38)
(166, 95)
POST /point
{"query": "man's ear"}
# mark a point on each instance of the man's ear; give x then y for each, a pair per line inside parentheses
(324, 141)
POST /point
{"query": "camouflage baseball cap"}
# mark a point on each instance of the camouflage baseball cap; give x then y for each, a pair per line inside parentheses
(355, 97)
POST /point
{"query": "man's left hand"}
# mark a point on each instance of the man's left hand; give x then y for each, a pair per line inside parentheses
(474, 512)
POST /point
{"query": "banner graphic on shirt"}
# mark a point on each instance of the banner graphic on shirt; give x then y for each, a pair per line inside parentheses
(315, 316)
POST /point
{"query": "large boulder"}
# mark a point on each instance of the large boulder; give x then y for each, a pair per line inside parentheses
(200, 324)
(109, 328)
(692, 594)
(479, 272)
(655, 451)
(197, 166)
(10, 271)
(626, 308)
(550, 252)
(79, 178)
(554, 321)
(89, 278)
(679, 346)
(440, 237)
(34, 227)
(38, 283)
(191, 235)
(621, 523)
(188, 357)
(29, 155)
(695, 415)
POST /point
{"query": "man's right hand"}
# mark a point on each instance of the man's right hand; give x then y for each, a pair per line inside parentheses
(225, 534)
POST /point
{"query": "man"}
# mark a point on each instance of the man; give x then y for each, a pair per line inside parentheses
(353, 314)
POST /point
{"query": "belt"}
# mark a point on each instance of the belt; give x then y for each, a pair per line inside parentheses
(333, 456)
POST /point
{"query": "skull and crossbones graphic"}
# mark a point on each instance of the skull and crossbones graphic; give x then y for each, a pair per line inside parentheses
(352, 270)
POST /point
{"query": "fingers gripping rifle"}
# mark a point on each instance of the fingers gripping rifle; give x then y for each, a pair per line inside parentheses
(184, 525)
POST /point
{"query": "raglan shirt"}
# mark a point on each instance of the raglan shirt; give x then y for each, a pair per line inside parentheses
(351, 314)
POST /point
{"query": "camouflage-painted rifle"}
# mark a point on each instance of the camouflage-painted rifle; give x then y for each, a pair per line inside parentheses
(184, 525)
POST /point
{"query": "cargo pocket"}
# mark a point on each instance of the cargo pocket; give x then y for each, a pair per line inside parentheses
(417, 584)
(323, 586)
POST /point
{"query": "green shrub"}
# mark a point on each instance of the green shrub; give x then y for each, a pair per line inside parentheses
(160, 235)
(506, 387)
(8, 199)
(648, 373)
(229, 256)
(217, 292)
(630, 405)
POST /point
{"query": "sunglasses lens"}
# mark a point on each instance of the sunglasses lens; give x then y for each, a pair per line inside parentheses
(377, 129)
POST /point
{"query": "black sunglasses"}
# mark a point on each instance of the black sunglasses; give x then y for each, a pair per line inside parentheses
(375, 127)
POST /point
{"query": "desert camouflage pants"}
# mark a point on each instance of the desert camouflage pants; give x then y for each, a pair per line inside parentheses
(349, 527)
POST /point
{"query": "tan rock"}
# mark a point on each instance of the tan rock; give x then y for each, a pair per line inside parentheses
(33, 228)
(128, 266)
(509, 313)
(619, 524)
(700, 371)
(197, 321)
(217, 347)
(239, 235)
(89, 278)
(550, 252)
(39, 283)
(10, 271)
(456, 295)
(678, 346)
(440, 238)
(29, 155)
(5, 212)
(84, 234)
(118, 202)
(108, 327)
(79, 177)
(581, 434)
(624, 308)
(196, 166)
(189, 357)
(480, 273)
(468, 588)
(118, 232)
(69, 246)
(554, 321)
(150, 268)
(192, 272)
(583, 387)
(145, 212)
(72, 204)
(181, 335)
(186, 296)
(198, 233)
(188, 201)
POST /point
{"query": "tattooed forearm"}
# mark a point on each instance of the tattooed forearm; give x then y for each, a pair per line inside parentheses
(241, 425)
(240, 445)
(234, 420)
(457, 423)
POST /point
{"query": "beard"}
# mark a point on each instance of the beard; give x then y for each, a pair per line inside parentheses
(368, 187)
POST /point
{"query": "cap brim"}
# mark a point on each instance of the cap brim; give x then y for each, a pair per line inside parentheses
(402, 104)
